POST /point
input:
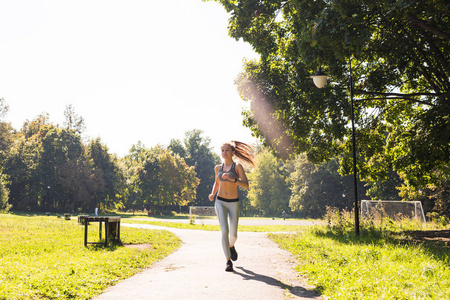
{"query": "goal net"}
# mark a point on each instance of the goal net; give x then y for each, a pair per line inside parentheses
(394, 210)
(202, 211)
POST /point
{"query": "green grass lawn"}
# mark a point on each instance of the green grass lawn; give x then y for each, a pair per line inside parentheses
(44, 257)
(373, 266)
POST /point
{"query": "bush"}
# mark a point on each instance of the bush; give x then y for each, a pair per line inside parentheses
(341, 222)
(436, 218)
(338, 221)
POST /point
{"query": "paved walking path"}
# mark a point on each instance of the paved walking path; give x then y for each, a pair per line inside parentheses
(197, 271)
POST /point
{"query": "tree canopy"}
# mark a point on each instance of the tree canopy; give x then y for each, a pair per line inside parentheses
(197, 152)
(318, 186)
(157, 179)
(399, 57)
(270, 191)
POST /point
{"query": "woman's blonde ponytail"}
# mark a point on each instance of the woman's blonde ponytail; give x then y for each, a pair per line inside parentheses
(243, 151)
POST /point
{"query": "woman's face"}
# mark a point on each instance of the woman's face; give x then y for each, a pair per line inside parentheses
(227, 152)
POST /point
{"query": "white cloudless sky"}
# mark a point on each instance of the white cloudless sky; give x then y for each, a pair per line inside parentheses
(136, 70)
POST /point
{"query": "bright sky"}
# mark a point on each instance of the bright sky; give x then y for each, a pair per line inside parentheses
(146, 70)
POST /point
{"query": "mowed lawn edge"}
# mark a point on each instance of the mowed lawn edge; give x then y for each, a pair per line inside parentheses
(45, 257)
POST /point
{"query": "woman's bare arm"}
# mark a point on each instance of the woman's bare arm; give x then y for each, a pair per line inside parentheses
(242, 180)
(216, 184)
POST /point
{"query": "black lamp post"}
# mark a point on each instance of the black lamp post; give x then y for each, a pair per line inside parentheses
(320, 80)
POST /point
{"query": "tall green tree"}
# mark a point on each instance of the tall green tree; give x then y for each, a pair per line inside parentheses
(269, 190)
(385, 189)
(7, 137)
(316, 186)
(21, 166)
(158, 179)
(4, 205)
(6, 130)
(61, 148)
(177, 147)
(440, 195)
(106, 167)
(198, 153)
(6, 140)
(178, 182)
(399, 59)
(47, 169)
(78, 185)
(141, 171)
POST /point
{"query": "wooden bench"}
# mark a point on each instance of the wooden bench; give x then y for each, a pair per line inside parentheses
(81, 219)
(112, 228)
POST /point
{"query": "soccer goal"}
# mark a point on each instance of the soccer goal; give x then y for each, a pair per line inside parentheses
(202, 211)
(395, 210)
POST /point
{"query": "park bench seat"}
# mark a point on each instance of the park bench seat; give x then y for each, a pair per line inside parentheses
(112, 228)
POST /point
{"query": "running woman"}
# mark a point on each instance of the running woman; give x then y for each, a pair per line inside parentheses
(230, 175)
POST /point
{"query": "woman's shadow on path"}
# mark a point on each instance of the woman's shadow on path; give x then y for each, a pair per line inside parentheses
(294, 290)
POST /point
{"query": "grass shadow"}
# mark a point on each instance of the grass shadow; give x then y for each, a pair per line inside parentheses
(100, 245)
(294, 290)
(433, 242)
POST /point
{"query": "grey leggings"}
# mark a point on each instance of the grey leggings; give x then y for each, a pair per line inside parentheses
(223, 211)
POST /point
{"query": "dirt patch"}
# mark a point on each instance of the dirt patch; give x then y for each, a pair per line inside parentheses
(435, 237)
(139, 246)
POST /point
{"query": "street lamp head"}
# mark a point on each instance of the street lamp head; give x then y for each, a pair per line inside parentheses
(320, 78)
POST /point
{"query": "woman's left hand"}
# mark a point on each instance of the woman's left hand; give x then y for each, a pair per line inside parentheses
(229, 177)
(226, 176)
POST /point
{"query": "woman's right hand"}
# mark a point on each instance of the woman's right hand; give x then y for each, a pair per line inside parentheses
(211, 197)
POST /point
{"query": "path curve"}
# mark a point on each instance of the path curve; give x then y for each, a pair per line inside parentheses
(197, 271)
